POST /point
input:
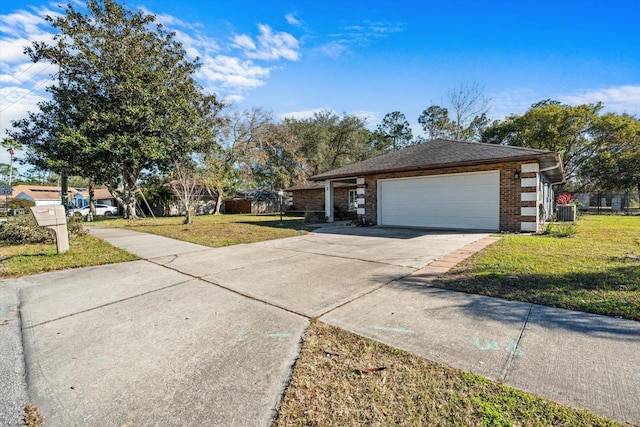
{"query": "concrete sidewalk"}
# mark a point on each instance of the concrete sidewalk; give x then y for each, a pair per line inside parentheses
(199, 336)
(581, 360)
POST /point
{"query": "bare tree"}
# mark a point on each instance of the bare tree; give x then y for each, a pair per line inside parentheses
(225, 163)
(187, 188)
(470, 107)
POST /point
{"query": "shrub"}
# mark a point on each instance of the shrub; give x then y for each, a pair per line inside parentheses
(314, 217)
(566, 230)
(23, 229)
(560, 230)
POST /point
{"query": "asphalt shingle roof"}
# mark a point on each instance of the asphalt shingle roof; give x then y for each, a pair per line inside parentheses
(441, 153)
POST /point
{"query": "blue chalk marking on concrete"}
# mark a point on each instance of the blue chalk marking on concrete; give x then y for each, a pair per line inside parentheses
(280, 335)
(486, 344)
(101, 358)
(393, 329)
(506, 346)
(333, 320)
(3, 309)
(241, 333)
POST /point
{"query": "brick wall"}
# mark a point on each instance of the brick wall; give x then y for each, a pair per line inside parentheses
(313, 200)
(510, 191)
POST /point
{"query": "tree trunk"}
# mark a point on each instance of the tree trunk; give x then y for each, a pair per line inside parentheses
(218, 202)
(187, 217)
(64, 191)
(92, 202)
(130, 196)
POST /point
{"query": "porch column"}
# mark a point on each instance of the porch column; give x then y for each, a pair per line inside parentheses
(328, 200)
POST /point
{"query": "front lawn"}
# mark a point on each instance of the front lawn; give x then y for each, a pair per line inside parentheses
(216, 230)
(84, 251)
(21, 260)
(597, 270)
(343, 379)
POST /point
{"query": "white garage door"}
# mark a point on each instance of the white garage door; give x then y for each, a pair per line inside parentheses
(465, 200)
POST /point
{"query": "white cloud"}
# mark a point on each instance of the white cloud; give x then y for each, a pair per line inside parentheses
(270, 45)
(292, 20)
(517, 101)
(335, 48)
(22, 22)
(232, 99)
(358, 35)
(14, 105)
(229, 71)
(371, 117)
(621, 99)
(244, 42)
(304, 114)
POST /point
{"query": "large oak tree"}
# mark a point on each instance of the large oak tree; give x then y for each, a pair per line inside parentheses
(126, 99)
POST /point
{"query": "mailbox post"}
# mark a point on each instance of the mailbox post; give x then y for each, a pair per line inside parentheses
(55, 218)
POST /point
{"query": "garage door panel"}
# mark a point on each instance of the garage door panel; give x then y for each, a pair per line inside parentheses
(469, 200)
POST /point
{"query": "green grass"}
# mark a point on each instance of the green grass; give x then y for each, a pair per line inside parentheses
(597, 270)
(21, 260)
(207, 230)
(216, 230)
(328, 387)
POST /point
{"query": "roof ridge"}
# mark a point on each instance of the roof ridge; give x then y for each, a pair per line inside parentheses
(436, 153)
(489, 144)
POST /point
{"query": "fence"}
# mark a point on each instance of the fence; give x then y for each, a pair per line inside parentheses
(608, 202)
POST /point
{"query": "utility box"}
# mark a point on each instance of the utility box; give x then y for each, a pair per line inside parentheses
(55, 218)
(616, 204)
(566, 213)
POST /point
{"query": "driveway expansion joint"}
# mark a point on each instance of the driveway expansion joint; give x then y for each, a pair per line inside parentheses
(516, 347)
(338, 256)
(107, 304)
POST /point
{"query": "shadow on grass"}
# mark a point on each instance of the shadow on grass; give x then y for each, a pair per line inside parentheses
(286, 223)
(38, 255)
(573, 301)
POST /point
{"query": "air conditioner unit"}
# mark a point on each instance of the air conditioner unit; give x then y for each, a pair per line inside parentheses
(566, 213)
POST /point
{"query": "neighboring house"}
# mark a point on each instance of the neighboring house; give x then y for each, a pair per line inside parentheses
(50, 195)
(41, 194)
(309, 197)
(206, 203)
(450, 184)
(253, 201)
(101, 195)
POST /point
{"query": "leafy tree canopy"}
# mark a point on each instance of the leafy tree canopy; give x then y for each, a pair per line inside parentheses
(396, 129)
(329, 141)
(550, 125)
(126, 98)
(616, 165)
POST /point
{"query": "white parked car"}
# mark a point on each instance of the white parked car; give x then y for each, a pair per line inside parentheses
(105, 210)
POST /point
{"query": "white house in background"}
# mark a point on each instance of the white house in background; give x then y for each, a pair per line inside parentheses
(40, 194)
(50, 195)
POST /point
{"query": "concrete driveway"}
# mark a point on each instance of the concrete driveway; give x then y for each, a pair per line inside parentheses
(198, 336)
(193, 335)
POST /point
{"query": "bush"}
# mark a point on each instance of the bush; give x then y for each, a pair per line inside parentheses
(23, 230)
(314, 217)
(560, 230)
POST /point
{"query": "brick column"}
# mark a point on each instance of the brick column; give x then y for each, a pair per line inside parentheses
(360, 200)
(529, 198)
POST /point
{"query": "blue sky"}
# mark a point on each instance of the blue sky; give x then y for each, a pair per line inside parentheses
(373, 57)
